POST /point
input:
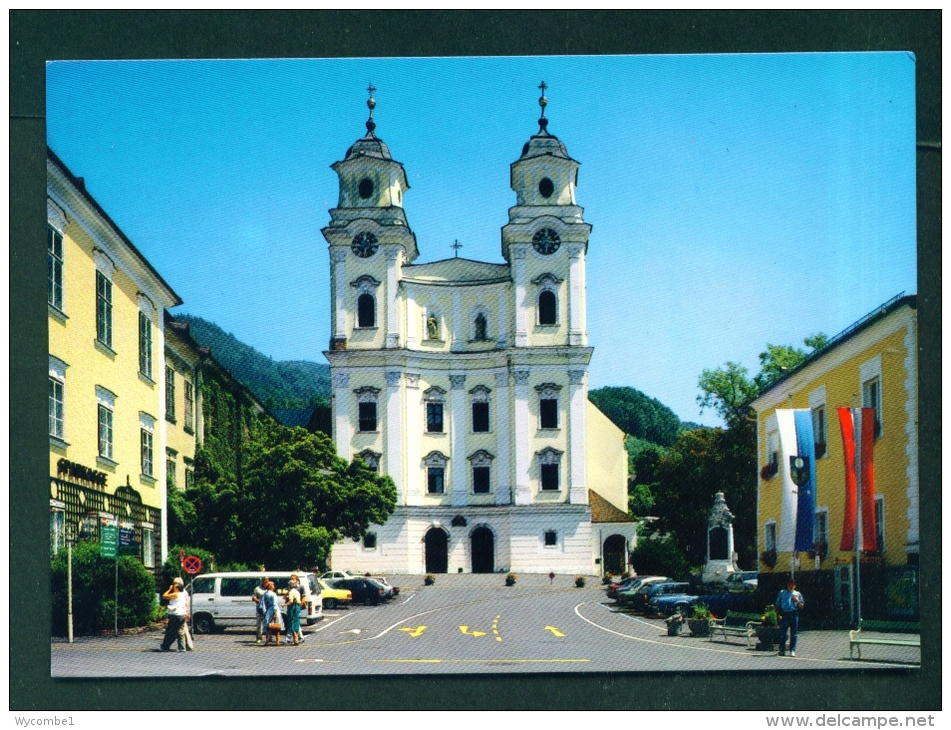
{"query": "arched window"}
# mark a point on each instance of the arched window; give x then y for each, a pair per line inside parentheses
(547, 307)
(366, 311)
(480, 328)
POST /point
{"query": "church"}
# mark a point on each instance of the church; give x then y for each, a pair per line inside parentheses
(467, 382)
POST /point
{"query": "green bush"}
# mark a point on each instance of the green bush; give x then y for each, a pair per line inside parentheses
(659, 556)
(94, 586)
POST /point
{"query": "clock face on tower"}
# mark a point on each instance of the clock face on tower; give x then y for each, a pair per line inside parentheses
(546, 241)
(364, 244)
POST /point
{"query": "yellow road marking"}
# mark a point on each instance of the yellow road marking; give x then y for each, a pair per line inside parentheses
(465, 630)
(414, 632)
(495, 628)
(555, 631)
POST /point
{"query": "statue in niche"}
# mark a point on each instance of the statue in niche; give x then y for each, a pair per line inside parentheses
(432, 328)
(480, 328)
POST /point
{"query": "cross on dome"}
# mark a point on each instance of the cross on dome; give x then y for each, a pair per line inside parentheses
(456, 246)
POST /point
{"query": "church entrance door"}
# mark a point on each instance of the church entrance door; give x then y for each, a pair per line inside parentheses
(437, 551)
(614, 562)
(483, 550)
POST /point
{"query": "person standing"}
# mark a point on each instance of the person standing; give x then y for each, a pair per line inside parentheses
(258, 597)
(272, 615)
(186, 635)
(790, 603)
(293, 603)
(177, 613)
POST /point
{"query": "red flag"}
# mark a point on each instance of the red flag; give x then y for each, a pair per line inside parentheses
(862, 442)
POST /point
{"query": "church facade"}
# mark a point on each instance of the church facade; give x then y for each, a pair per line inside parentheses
(467, 382)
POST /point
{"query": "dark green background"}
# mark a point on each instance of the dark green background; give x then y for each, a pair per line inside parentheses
(38, 36)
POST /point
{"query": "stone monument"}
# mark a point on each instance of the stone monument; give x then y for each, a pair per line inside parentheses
(721, 560)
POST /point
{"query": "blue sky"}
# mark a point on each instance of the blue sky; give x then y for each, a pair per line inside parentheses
(736, 199)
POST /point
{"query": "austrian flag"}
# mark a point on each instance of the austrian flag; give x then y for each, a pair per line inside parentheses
(858, 441)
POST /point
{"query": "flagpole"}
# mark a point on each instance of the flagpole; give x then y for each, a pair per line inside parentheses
(856, 428)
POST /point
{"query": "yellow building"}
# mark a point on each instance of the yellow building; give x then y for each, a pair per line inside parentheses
(107, 432)
(183, 401)
(871, 364)
(467, 382)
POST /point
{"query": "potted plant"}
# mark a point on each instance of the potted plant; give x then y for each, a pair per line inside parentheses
(675, 623)
(768, 631)
(579, 581)
(769, 471)
(607, 579)
(768, 558)
(510, 579)
(429, 579)
(699, 621)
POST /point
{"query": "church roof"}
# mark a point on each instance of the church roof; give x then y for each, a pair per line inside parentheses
(542, 144)
(369, 146)
(604, 511)
(457, 271)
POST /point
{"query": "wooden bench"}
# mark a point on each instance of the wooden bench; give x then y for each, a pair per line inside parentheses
(861, 635)
(735, 624)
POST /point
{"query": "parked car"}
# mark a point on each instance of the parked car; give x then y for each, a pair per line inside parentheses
(614, 587)
(339, 575)
(718, 603)
(364, 590)
(333, 597)
(671, 603)
(394, 590)
(625, 596)
(220, 600)
(742, 580)
(641, 600)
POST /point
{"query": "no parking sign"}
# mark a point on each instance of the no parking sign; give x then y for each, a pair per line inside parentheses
(191, 564)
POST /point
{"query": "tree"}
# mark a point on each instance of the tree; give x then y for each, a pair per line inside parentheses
(698, 465)
(727, 390)
(657, 555)
(637, 414)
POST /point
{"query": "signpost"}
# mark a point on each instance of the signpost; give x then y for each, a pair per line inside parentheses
(109, 542)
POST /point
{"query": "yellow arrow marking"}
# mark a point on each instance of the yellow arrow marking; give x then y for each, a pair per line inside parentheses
(465, 630)
(555, 631)
(418, 631)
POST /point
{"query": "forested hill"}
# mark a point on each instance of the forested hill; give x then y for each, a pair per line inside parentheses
(277, 384)
(639, 415)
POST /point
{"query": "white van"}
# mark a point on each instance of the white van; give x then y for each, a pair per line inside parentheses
(220, 600)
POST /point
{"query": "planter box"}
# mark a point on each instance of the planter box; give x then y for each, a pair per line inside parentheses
(768, 638)
(699, 626)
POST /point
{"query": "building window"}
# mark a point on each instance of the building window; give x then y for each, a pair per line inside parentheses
(57, 409)
(366, 408)
(880, 522)
(54, 268)
(366, 311)
(169, 394)
(548, 410)
(819, 430)
(148, 547)
(189, 474)
(770, 537)
(481, 479)
(367, 416)
(547, 307)
(551, 538)
(105, 431)
(371, 459)
(146, 442)
(189, 406)
(480, 417)
(103, 309)
(435, 479)
(57, 530)
(820, 533)
(369, 541)
(434, 417)
(435, 464)
(872, 398)
(480, 326)
(145, 345)
(549, 477)
(171, 467)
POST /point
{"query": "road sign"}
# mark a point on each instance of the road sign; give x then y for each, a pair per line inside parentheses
(127, 543)
(192, 564)
(109, 537)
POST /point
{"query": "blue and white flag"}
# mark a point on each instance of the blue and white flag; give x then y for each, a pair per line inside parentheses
(798, 468)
